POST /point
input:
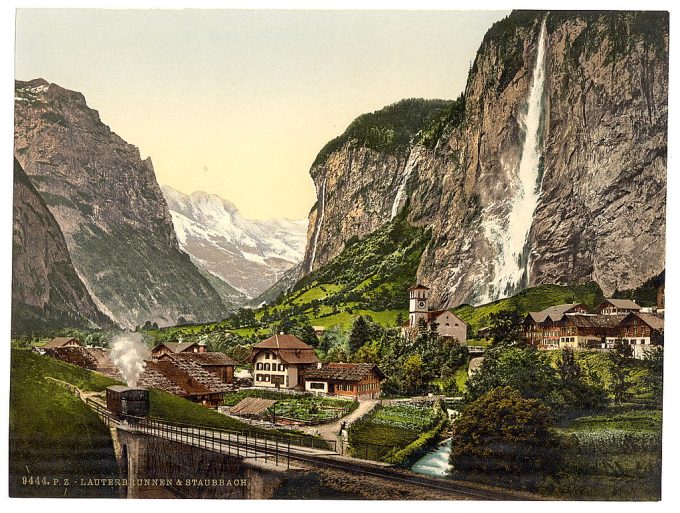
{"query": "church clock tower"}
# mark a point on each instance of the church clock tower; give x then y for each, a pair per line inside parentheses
(418, 304)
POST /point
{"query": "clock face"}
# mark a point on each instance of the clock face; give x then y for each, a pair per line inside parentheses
(421, 304)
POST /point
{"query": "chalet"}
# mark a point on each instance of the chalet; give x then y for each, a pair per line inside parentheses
(216, 363)
(183, 378)
(540, 328)
(177, 347)
(75, 355)
(587, 331)
(357, 380)
(62, 342)
(572, 326)
(617, 307)
(642, 331)
(449, 325)
(281, 362)
(90, 358)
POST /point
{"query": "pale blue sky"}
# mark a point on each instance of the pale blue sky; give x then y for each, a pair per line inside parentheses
(239, 102)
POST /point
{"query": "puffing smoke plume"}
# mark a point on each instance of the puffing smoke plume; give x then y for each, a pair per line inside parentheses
(128, 353)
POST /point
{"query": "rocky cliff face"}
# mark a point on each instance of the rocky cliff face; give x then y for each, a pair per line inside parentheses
(249, 255)
(109, 207)
(361, 175)
(550, 169)
(46, 290)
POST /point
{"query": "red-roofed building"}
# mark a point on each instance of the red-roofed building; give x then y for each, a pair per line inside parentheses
(345, 379)
(281, 361)
(184, 378)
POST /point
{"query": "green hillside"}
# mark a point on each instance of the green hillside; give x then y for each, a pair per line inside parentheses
(52, 433)
(532, 300)
(371, 274)
(370, 277)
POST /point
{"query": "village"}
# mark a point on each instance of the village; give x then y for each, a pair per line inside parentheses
(284, 383)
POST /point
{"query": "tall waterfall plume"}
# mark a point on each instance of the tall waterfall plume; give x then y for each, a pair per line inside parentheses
(399, 197)
(510, 237)
(319, 220)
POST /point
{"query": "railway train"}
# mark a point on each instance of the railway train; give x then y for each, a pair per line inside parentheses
(127, 401)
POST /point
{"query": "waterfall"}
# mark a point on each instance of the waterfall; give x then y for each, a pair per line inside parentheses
(398, 199)
(321, 194)
(511, 239)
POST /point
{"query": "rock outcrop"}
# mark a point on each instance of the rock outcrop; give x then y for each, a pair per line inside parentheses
(600, 129)
(46, 289)
(110, 209)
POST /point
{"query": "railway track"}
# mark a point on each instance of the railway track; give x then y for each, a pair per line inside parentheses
(207, 439)
(402, 477)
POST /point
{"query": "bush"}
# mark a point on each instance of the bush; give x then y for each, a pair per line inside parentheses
(505, 437)
(407, 456)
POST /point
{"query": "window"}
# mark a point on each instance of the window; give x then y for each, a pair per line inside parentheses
(267, 355)
(267, 378)
(258, 377)
(317, 386)
(281, 368)
(266, 366)
(258, 366)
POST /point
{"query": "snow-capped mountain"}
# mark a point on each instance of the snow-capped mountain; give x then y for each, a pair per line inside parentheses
(250, 255)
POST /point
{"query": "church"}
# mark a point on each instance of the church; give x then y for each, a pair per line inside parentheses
(449, 325)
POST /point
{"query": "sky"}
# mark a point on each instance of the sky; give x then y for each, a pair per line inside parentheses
(238, 103)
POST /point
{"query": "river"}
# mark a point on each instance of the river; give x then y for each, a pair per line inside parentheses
(435, 463)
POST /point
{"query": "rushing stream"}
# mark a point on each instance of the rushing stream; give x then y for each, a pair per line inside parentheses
(435, 463)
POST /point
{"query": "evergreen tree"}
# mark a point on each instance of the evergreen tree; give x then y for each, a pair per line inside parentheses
(620, 370)
(653, 380)
(359, 335)
(578, 394)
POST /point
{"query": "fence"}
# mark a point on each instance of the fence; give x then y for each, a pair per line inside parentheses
(249, 440)
(373, 452)
(69, 386)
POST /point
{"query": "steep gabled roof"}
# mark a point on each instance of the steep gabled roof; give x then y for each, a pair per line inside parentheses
(78, 355)
(282, 341)
(344, 372)
(554, 313)
(175, 347)
(184, 374)
(654, 321)
(620, 303)
(155, 378)
(60, 342)
(593, 320)
(289, 348)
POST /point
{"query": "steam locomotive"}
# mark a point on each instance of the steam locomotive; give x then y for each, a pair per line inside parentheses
(127, 401)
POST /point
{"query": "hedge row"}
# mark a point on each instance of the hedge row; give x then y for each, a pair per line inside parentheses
(407, 456)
